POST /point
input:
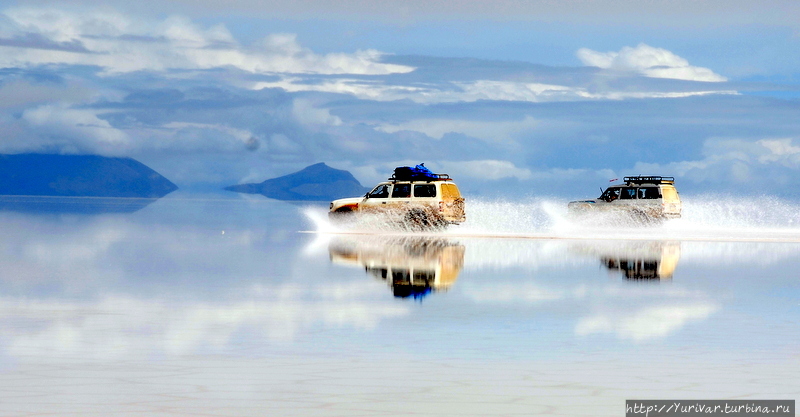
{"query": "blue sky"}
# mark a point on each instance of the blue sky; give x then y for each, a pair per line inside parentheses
(550, 98)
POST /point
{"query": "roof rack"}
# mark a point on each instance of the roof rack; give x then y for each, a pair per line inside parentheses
(427, 178)
(649, 180)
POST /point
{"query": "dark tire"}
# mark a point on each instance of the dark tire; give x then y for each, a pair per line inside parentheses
(641, 218)
(416, 219)
(341, 214)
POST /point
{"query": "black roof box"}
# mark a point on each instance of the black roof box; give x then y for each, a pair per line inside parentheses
(652, 179)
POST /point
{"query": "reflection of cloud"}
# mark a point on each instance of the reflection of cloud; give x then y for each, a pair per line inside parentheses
(120, 327)
(504, 293)
(648, 323)
(649, 61)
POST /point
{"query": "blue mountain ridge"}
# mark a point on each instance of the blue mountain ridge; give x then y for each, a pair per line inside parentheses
(317, 182)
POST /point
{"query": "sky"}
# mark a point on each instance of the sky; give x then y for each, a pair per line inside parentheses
(511, 98)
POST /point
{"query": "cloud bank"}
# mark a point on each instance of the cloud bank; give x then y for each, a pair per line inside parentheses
(648, 61)
(201, 107)
(114, 42)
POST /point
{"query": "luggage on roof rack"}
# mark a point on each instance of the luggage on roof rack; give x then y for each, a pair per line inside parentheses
(417, 173)
(653, 179)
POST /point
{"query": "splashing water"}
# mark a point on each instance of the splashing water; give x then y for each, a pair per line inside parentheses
(704, 217)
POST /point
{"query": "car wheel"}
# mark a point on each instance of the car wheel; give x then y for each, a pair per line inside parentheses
(417, 219)
(341, 213)
(642, 218)
(420, 220)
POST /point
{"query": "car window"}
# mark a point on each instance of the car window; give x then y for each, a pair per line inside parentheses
(649, 193)
(425, 190)
(381, 191)
(670, 194)
(610, 194)
(401, 191)
(401, 275)
(628, 193)
(450, 191)
(424, 276)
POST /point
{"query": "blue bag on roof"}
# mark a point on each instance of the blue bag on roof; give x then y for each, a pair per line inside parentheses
(420, 170)
(417, 173)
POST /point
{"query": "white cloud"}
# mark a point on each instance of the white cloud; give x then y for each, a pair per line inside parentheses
(239, 136)
(367, 90)
(306, 112)
(648, 61)
(487, 169)
(488, 130)
(20, 93)
(73, 130)
(738, 159)
(781, 151)
(468, 91)
(118, 44)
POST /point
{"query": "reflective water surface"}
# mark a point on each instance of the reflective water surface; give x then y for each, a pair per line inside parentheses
(220, 306)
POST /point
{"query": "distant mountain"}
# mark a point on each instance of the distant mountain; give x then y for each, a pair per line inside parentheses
(79, 176)
(317, 182)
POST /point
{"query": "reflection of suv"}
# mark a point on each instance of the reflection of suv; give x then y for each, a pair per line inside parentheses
(642, 198)
(432, 200)
(640, 260)
(412, 267)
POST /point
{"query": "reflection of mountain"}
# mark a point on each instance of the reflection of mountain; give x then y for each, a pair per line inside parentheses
(72, 205)
(654, 260)
(413, 267)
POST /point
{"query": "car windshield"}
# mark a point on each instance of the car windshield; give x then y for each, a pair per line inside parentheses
(610, 194)
(381, 191)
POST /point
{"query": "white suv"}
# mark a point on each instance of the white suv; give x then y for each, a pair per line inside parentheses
(419, 203)
(643, 198)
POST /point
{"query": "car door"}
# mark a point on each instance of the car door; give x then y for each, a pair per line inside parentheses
(377, 198)
(401, 195)
(627, 198)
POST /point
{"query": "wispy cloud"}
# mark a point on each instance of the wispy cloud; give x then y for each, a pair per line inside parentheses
(471, 91)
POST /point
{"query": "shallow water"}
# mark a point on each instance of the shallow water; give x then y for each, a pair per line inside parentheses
(222, 306)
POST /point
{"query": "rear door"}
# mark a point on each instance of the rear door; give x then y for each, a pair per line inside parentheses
(452, 203)
(670, 200)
